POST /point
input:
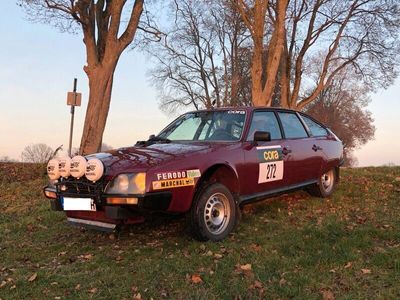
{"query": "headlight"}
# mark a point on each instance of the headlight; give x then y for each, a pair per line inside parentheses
(127, 184)
(53, 169)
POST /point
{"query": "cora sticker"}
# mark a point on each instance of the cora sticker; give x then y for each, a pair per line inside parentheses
(271, 163)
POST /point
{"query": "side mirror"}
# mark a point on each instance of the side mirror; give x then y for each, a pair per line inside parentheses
(262, 136)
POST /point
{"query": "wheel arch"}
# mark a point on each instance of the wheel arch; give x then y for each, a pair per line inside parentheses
(222, 173)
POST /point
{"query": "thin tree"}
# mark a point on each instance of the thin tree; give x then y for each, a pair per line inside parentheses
(101, 23)
(325, 37)
(342, 107)
(37, 153)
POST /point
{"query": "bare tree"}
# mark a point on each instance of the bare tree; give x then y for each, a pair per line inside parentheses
(203, 57)
(6, 158)
(341, 106)
(263, 73)
(325, 37)
(101, 23)
(37, 153)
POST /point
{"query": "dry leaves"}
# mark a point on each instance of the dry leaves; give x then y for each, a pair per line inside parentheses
(246, 267)
(255, 247)
(348, 265)
(86, 256)
(195, 278)
(33, 277)
(92, 290)
(366, 271)
(327, 295)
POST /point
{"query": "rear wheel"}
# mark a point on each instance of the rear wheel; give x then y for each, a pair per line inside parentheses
(214, 213)
(325, 185)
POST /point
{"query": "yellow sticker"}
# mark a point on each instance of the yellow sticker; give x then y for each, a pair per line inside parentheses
(173, 183)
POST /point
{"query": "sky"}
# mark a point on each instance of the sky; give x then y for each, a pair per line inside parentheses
(37, 68)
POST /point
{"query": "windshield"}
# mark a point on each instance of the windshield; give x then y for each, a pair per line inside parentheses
(206, 126)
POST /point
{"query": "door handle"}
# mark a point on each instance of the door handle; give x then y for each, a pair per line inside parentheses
(316, 148)
(286, 151)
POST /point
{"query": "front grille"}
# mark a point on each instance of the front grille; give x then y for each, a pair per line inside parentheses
(80, 187)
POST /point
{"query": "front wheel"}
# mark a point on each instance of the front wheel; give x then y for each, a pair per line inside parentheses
(214, 213)
(325, 185)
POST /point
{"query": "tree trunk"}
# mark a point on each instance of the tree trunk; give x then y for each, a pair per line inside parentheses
(100, 87)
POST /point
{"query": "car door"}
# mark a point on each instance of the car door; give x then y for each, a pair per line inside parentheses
(305, 161)
(265, 163)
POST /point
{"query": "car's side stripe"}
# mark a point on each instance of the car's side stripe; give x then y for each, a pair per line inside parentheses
(268, 147)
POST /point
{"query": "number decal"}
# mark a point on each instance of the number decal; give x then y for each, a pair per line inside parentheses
(270, 171)
(271, 163)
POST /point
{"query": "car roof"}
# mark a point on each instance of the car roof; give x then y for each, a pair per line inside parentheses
(246, 108)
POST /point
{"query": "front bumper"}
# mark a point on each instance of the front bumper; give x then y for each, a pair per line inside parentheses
(151, 202)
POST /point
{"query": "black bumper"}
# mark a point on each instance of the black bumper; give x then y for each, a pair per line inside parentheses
(157, 202)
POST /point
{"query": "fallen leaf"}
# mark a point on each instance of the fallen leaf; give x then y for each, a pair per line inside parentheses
(256, 247)
(62, 253)
(137, 296)
(246, 267)
(327, 295)
(196, 278)
(202, 247)
(86, 256)
(366, 271)
(282, 281)
(33, 277)
(209, 253)
(78, 287)
(3, 284)
(348, 265)
(256, 285)
(218, 256)
(92, 291)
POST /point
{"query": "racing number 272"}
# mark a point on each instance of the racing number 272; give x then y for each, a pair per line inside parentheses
(271, 170)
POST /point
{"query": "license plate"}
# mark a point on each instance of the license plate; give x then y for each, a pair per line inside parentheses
(86, 204)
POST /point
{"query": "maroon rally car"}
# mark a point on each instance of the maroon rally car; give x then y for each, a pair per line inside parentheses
(205, 163)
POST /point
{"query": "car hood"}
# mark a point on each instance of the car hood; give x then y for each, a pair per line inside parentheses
(140, 159)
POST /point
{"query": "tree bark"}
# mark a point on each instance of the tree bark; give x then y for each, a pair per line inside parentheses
(100, 88)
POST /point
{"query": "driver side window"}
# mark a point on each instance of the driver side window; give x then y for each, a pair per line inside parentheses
(264, 121)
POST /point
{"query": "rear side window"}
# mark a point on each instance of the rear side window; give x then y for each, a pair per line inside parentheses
(315, 128)
(264, 121)
(292, 126)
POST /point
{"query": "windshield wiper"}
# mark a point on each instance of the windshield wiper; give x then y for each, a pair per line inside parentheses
(154, 138)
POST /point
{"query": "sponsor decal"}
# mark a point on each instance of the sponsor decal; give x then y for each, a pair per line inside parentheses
(172, 183)
(178, 174)
(242, 112)
(271, 153)
(271, 163)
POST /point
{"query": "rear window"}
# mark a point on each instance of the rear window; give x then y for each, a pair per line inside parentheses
(315, 128)
(292, 126)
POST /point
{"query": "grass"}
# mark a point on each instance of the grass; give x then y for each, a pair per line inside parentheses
(344, 247)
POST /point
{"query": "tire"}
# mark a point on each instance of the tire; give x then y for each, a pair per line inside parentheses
(325, 186)
(214, 213)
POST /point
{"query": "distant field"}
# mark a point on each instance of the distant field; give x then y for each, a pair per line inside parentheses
(294, 246)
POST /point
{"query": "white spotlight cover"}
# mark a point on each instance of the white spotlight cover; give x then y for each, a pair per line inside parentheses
(52, 169)
(65, 166)
(78, 166)
(94, 169)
